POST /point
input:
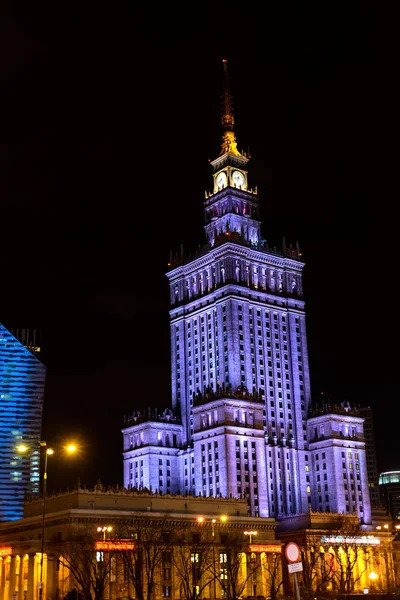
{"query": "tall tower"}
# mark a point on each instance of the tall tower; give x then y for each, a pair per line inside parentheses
(22, 381)
(372, 469)
(239, 360)
(240, 373)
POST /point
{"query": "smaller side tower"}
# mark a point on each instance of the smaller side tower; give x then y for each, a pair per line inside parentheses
(338, 461)
(151, 452)
(229, 448)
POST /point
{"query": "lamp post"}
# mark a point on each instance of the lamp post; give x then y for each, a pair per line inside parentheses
(373, 577)
(104, 530)
(213, 521)
(250, 534)
(47, 452)
(223, 519)
(22, 448)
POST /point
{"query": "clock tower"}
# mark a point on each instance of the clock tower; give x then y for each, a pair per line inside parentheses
(232, 208)
(239, 376)
(239, 424)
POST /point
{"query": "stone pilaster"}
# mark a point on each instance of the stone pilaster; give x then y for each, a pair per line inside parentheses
(51, 576)
(11, 588)
(20, 595)
(2, 576)
(31, 591)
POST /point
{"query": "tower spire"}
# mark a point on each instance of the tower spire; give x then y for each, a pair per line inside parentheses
(228, 144)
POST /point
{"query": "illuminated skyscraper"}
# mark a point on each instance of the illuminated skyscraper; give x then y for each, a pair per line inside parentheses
(372, 468)
(389, 489)
(241, 400)
(22, 382)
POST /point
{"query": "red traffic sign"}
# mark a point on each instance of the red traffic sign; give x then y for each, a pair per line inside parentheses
(292, 552)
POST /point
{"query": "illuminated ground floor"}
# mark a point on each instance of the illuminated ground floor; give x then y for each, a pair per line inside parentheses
(103, 537)
(193, 547)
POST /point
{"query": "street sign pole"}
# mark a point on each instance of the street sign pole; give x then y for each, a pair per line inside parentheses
(296, 586)
(292, 553)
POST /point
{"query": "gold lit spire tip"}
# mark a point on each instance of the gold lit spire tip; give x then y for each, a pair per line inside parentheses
(228, 144)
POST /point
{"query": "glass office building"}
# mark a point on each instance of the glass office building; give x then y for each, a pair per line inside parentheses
(22, 382)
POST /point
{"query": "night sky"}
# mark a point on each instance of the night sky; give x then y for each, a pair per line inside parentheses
(110, 116)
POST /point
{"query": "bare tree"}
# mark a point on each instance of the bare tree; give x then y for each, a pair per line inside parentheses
(143, 564)
(89, 569)
(386, 556)
(272, 572)
(317, 566)
(194, 558)
(349, 558)
(236, 568)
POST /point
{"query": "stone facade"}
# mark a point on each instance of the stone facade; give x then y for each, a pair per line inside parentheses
(239, 423)
(77, 515)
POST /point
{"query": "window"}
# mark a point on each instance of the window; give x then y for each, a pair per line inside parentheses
(223, 559)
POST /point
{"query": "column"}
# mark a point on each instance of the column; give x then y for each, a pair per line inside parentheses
(31, 592)
(6, 577)
(20, 595)
(11, 589)
(51, 576)
(2, 577)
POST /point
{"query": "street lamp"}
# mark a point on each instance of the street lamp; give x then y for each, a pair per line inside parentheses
(213, 521)
(70, 449)
(250, 534)
(47, 452)
(395, 529)
(373, 577)
(104, 530)
(223, 519)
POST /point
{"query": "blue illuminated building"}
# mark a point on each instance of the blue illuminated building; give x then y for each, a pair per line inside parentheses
(242, 422)
(389, 489)
(22, 382)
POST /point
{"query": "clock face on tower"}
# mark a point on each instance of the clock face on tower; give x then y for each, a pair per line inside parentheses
(221, 179)
(238, 178)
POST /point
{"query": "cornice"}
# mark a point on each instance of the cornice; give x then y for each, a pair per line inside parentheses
(258, 255)
(249, 195)
(229, 402)
(334, 416)
(337, 442)
(229, 159)
(236, 291)
(263, 256)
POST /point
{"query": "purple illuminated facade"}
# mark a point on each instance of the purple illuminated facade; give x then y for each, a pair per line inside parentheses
(240, 421)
